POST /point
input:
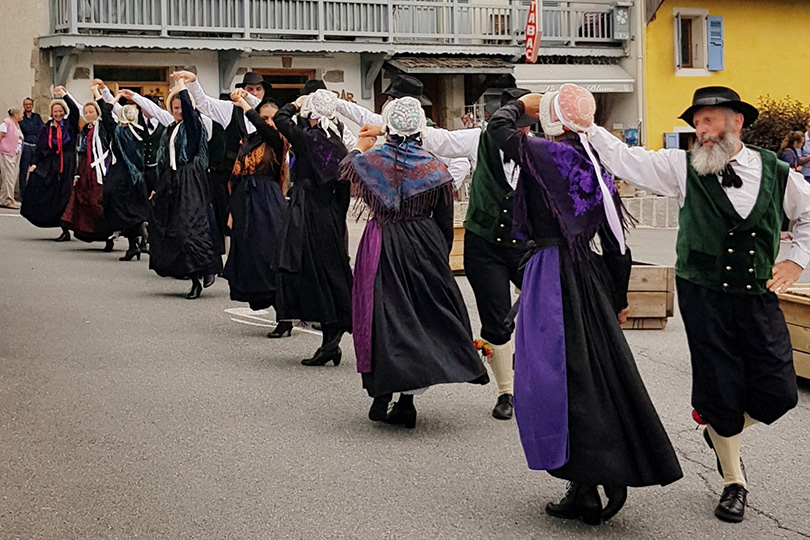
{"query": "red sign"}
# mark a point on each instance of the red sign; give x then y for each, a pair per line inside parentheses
(533, 33)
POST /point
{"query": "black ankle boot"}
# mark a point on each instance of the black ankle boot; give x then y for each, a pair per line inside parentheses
(132, 251)
(282, 329)
(323, 356)
(64, 237)
(209, 279)
(403, 412)
(109, 244)
(617, 496)
(196, 288)
(379, 408)
(580, 501)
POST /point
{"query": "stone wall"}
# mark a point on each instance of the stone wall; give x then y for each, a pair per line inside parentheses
(652, 211)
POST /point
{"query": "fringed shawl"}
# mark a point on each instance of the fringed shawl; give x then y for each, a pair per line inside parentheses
(130, 151)
(399, 179)
(568, 182)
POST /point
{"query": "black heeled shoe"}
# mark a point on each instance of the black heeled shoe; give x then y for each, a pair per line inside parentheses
(403, 413)
(64, 237)
(323, 356)
(109, 245)
(580, 501)
(282, 329)
(196, 289)
(135, 252)
(379, 408)
(616, 496)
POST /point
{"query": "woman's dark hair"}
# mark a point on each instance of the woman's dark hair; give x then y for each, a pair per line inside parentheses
(267, 101)
(790, 139)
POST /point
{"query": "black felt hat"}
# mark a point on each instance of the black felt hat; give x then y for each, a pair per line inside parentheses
(407, 86)
(312, 85)
(719, 96)
(251, 77)
(508, 95)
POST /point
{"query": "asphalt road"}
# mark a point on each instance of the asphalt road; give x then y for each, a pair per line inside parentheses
(127, 411)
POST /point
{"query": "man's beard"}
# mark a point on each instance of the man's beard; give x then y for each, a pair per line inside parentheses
(711, 159)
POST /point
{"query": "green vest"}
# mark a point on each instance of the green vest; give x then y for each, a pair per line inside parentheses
(489, 214)
(151, 143)
(717, 248)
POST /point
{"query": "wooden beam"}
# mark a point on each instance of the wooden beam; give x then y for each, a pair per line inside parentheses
(228, 66)
(370, 67)
(64, 61)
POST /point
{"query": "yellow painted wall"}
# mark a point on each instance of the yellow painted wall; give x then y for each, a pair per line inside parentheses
(766, 52)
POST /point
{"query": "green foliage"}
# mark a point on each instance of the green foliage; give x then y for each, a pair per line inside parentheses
(776, 119)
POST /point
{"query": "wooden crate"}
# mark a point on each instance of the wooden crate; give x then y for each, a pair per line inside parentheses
(795, 305)
(651, 296)
(457, 251)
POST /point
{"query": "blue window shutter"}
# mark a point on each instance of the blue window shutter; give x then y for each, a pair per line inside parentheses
(716, 43)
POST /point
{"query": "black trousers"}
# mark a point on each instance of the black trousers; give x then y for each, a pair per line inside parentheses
(742, 361)
(490, 268)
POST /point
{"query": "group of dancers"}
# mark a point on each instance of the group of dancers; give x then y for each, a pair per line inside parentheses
(544, 216)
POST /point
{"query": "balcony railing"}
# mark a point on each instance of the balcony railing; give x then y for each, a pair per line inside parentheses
(499, 22)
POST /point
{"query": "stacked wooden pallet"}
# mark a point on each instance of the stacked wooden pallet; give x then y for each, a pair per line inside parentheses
(457, 252)
(651, 296)
(795, 305)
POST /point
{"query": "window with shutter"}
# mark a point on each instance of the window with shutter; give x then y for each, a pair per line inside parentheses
(691, 42)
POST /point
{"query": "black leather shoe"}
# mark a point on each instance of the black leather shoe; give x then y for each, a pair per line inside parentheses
(580, 501)
(196, 290)
(109, 245)
(282, 329)
(64, 237)
(732, 504)
(209, 280)
(617, 496)
(322, 357)
(403, 413)
(503, 408)
(708, 439)
(130, 254)
(379, 408)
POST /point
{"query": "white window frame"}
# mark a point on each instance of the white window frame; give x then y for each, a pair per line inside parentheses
(700, 36)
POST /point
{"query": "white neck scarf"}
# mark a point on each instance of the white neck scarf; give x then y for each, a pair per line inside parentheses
(98, 153)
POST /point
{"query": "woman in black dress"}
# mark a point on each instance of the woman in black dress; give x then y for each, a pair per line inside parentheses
(258, 210)
(315, 280)
(181, 233)
(581, 406)
(126, 201)
(84, 214)
(53, 166)
(411, 327)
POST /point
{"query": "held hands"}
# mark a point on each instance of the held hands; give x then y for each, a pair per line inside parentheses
(300, 102)
(623, 315)
(239, 93)
(96, 91)
(371, 130)
(129, 94)
(60, 92)
(186, 76)
(99, 83)
(785, 274)
(531, 103)
(366, 142)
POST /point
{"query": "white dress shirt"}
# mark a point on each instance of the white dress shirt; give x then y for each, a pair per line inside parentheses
(664, 172)
(218, 110)
(458, 150)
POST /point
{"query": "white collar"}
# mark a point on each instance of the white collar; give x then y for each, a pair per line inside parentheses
(745, 157)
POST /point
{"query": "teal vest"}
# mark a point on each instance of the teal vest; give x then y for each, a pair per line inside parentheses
(490, 210)
(716, 247)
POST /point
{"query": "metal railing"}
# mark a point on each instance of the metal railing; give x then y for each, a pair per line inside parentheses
(498, 22)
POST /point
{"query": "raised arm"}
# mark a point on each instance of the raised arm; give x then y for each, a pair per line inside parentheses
(503, 129)
(289, 128)
(357, 113)
(107, 118)
(149, 107)
(74, 110)
(220, 111)
(458, 168)
(662, 172)
(108, 97)
(191, 120)
(461, 143)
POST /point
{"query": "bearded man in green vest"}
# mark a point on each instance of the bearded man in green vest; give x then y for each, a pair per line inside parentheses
(732, 197)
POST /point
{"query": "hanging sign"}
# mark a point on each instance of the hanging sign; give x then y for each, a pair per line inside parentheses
(533, 32)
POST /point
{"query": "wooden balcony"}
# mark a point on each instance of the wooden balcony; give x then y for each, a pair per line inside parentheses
(449, 26)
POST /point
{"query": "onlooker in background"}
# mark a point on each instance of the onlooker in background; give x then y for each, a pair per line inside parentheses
(30, 126)
(790, 148)
(10, 148)
(804, 153)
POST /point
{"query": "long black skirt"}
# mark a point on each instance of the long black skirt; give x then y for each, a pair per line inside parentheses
(48, 191)
(421, 332)
(314, 278)
(259, 213)
(615, 434)
(126, 203)
(182, 237)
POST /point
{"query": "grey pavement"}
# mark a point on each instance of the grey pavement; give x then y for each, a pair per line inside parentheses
(127, 411)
